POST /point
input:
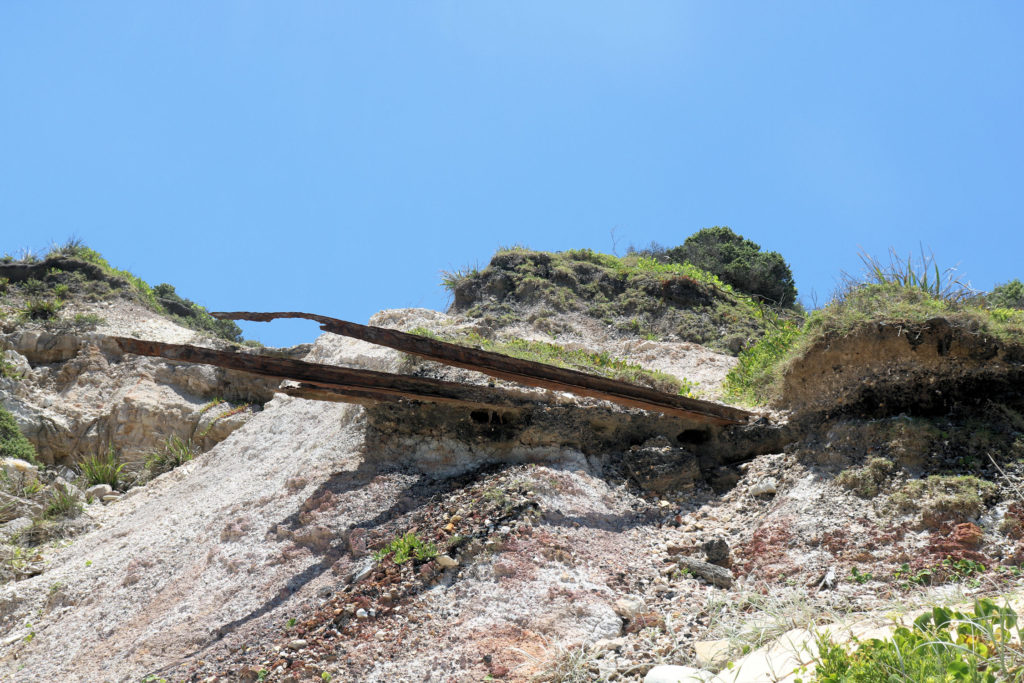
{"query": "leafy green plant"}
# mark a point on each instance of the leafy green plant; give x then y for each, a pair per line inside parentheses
(176, 451)
(4, 285)
(860, 577)
(102, 468)
(407, 547)
(942, 645)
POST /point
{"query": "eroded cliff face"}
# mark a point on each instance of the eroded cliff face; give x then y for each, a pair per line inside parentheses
(572, 537)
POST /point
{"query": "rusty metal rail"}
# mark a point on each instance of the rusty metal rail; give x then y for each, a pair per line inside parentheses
(526, 372)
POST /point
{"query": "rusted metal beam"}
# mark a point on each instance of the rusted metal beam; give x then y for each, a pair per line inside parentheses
(366, 385)
(518, 370)
(312, 392)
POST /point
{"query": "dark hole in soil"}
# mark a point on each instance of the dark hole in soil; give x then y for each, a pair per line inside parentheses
(694, 436)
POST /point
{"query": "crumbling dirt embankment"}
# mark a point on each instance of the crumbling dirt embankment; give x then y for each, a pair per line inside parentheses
(888, 368)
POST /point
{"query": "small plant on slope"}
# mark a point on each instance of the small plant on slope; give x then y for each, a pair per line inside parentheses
(13, 443)
(102, 468)
(177, 451)
(943, 645)
(405, 548)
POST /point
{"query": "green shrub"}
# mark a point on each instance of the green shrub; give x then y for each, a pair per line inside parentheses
(102, 468)
(739, 262)
(1007, 295)
(41, 309)
(5, 284)
(176, 451)
(192, 315)
(943, 645)
(13, 443)
(405, 548)
(754, 377)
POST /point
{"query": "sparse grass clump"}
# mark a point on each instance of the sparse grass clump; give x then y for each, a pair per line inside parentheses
(102, 468)
(62, 503)
(944, 498)
(406, 547)
(866, 481)
(176, 452)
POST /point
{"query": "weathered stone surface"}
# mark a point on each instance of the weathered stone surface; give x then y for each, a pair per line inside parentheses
(628, 607)
(766, 487)
(98, 491)
(716, 550)
(711, 653)
(663, 468)
(446, 562)
(712, 573)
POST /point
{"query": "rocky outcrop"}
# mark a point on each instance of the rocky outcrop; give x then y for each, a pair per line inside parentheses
(75, 395)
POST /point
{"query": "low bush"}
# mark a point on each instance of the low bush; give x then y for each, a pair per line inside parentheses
(13, 443)
(1007, 295)
(41, 309)
(945, 498)
(739, 262)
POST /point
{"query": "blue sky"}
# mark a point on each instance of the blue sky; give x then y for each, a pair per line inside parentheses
(335, 156)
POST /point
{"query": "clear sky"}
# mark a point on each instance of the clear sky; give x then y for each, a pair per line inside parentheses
(334, 156)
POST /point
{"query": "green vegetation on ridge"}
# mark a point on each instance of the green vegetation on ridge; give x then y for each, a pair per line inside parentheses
(642, 294)
(905, 292)
(75, 269)
(603, 363)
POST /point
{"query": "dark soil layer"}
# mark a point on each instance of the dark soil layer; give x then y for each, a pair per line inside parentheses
(887, 368)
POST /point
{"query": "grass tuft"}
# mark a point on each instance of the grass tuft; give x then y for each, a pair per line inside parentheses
(102, 468)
